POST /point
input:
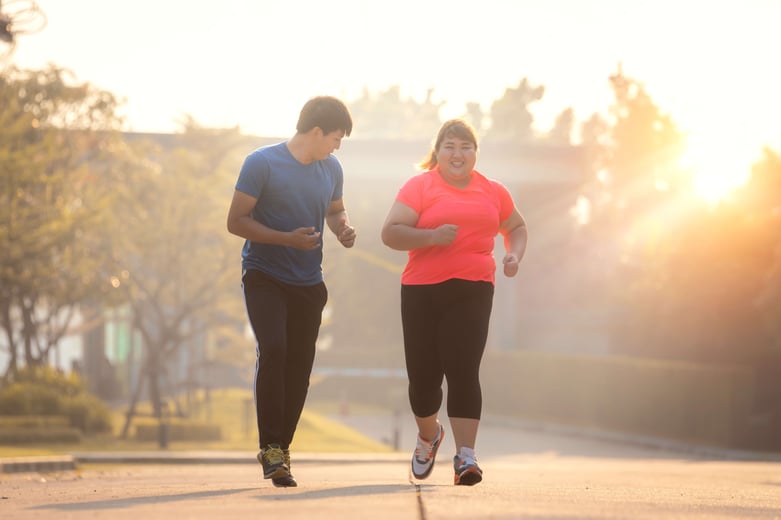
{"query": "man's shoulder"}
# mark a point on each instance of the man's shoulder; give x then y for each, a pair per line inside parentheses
(265, 157)
(267, 150)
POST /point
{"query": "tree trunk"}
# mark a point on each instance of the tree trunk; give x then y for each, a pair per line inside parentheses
(131, 409)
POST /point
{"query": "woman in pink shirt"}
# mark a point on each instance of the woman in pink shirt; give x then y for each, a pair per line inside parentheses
(447, 218)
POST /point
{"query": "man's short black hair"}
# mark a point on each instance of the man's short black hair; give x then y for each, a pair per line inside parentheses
(326, 112)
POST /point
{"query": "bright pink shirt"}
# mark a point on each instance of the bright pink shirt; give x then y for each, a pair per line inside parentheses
(477, 210)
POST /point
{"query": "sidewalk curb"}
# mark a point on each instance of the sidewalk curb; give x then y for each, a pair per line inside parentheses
(51, 463)
(228, 457)
(37, 464)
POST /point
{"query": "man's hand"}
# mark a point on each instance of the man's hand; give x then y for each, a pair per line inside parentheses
(304, 238)
(346, 235)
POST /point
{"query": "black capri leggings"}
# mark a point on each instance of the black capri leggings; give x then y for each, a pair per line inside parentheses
(445, 328)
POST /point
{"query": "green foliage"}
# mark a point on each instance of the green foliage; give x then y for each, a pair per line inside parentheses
(686, 280)
(55, 435)
(511, 118)
(42, 391)
(181, 272)
(178, 430)
(33, 421)
(56, 144)
(29, 399)
(385, 115)
(87, 413)
(49, 378)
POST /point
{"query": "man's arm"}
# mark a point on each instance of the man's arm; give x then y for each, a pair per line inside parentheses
(339, 223)
(241, 223)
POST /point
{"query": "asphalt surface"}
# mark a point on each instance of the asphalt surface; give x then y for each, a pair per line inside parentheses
(530, 472)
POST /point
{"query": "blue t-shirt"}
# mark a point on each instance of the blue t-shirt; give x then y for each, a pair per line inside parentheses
(290, 195)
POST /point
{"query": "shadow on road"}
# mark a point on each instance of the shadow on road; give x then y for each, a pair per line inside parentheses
(347, 491)
(122, 503)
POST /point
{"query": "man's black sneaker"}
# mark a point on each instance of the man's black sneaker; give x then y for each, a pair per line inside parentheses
(272, 458)
(288, 481)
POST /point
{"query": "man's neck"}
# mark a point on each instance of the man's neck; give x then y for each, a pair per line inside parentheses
(298, 145)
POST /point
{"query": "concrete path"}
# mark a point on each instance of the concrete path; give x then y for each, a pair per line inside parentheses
(530, 472)
(517, 486)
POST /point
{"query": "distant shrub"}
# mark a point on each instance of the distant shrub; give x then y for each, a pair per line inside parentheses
(179, 431)
(29, 399)
(33, 421)
(87, 413)
(40, 435)
(42, 391)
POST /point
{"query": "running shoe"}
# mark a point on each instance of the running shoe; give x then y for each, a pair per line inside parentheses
(468, 473)
(425, 453)
(272, 458)
(288, 481)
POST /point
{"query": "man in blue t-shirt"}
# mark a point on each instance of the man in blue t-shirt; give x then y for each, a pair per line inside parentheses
(284, 195)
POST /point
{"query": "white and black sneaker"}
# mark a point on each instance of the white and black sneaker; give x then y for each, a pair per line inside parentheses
(467, 472)
(425, 453)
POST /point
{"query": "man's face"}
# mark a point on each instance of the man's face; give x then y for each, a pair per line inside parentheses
(328, 143)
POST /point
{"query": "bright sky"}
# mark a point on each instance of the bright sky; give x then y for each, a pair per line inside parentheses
(713, 66)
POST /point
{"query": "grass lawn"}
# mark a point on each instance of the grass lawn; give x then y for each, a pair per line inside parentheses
(233, 410)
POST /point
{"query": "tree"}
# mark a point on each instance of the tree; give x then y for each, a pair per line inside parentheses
(646, 146)
(474, 116)
(761, 196)
(55, 143)
(182, 283)
(511, 119)
(683, 277)
(561, 133)
(385, 115)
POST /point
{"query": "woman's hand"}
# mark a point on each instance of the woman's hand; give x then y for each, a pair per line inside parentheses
(443, 235)
(510, 262)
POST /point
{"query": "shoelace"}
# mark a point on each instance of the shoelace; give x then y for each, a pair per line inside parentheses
(274, 456)
(425, 448)
(466, 461)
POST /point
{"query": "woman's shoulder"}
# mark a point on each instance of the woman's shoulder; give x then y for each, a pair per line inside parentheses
(489, 181)
(419, 179)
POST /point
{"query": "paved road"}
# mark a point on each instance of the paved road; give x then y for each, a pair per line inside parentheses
(529, 473)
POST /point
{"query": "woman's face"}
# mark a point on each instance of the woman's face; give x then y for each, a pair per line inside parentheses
(456, 159)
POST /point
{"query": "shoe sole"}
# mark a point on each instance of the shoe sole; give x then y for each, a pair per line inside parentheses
(283, 482)
(468, 477)
(280, 472)
(277, 472)
(425, 474)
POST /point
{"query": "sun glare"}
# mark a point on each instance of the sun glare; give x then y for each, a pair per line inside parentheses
(716, 170)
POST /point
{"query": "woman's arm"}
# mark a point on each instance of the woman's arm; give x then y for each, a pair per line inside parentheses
(399, 231)
(515, 239)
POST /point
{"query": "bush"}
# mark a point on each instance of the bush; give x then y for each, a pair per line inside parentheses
(87, 413)
(36, 435)
(33, 421)
(41, 391)
(29, 399)
(179, 431)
